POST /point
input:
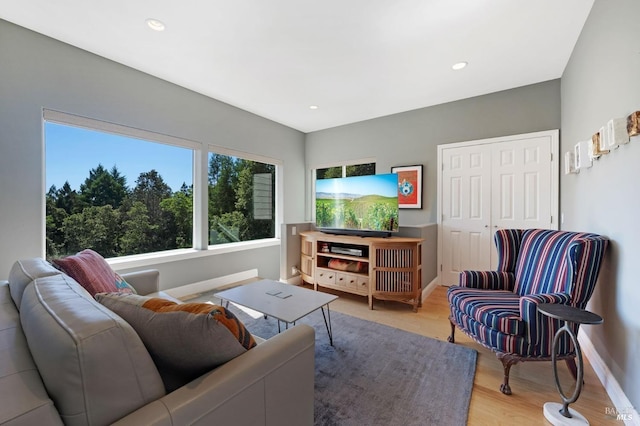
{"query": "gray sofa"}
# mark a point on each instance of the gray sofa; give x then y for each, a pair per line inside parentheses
(66, 359)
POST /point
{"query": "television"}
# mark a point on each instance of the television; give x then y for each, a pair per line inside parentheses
(358, 205)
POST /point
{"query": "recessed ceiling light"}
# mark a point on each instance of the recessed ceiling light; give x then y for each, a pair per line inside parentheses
(155, 25)
(313, 106)
(459, 65)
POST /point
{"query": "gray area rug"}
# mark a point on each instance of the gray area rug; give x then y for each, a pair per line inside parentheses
(379, 375)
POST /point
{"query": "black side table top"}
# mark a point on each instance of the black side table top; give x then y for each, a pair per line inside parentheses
(569, 313)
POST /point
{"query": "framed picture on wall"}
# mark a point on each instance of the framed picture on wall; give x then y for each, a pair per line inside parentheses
(409, 186)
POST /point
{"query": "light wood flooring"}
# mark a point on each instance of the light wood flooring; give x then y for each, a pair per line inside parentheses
(532, 383)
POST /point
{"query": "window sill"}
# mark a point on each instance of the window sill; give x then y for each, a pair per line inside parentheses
(150, 259)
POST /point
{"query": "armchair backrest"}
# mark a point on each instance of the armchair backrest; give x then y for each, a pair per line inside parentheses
(548, 261)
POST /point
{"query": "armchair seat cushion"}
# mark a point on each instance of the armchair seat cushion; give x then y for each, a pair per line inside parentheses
(497, 309)
(492, 338)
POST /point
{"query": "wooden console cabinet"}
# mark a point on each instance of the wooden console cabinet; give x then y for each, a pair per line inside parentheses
(379, 268)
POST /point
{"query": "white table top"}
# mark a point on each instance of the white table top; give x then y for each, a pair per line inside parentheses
(285, 302)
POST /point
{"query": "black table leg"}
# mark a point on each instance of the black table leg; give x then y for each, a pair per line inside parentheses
(327, 324)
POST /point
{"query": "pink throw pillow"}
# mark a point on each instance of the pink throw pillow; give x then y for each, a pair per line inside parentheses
(93, 273)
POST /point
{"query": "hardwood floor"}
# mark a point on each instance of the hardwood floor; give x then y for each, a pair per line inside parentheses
(532, 383)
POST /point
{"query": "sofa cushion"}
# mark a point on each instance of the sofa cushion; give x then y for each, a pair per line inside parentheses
(24, 398)
(93, 273)
(184, 340)
(93, 364)
(23, 272)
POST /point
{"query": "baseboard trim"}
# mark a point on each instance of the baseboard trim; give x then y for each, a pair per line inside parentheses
(212, 284)
(622, 406)
(429, 288)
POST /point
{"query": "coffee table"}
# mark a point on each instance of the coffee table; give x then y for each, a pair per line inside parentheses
(285, 302)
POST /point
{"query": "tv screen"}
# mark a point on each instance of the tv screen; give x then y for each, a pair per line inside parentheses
(358, 204)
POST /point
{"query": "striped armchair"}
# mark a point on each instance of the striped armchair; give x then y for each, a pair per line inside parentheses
(499, 310)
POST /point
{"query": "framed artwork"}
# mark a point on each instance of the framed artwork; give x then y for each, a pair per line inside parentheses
(409, 186)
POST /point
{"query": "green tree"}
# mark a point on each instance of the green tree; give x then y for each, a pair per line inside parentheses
(65, 198)
(55, 239)
(137, 231)
(180, 209)
(361, 169)
(222, 182)
(328, 173)
(96, 227)
(103, 187)
(150, 190)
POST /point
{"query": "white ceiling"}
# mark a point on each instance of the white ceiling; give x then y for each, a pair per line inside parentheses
(354, 59)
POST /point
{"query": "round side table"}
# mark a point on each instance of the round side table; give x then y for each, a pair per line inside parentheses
(561, 414)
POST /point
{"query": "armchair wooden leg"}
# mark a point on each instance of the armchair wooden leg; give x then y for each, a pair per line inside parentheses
(507, 361)
(451, 338)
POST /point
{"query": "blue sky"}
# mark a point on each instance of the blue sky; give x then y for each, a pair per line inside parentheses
(71, 152)
(386, 185)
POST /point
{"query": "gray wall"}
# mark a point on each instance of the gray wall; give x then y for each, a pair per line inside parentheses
(291, 247)
(412, 137)
(38, 72)
(602, 81)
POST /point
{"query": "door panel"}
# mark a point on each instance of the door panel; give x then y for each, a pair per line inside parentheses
(466, 210)
(521, 177)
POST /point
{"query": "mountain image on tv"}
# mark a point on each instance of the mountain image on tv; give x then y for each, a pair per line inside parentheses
(368, 203)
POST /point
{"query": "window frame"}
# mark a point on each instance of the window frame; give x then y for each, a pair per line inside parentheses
(200, 246)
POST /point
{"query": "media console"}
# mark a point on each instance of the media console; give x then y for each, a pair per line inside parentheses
(379, 268)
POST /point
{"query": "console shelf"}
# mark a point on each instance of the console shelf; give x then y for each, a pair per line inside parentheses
(379, 268)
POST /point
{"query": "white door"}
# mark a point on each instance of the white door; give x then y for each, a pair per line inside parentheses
(486, 185)
(466, 210)
(521, 179)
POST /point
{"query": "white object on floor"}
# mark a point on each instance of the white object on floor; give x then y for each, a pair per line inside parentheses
(552, 414)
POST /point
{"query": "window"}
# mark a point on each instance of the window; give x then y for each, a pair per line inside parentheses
(358, 169)
(362, 169)
(124, 191)
(116, 194)
(241, 199)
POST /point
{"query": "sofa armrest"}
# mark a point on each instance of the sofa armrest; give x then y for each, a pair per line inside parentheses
(273, 383)
(487, 280)
(145, 282)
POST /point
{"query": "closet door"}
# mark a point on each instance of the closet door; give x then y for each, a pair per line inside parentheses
(509, 182)
(521, 182)
(466, 210)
